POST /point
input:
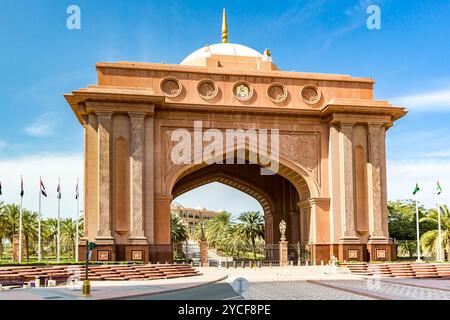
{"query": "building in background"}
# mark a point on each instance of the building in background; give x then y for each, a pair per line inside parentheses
(191, 217)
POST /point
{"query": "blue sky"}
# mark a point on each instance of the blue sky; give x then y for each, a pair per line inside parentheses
(41, 60)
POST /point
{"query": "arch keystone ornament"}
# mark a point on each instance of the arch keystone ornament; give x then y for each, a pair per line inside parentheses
(319, 148)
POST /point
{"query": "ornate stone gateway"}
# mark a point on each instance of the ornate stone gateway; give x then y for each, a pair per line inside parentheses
(329, 179)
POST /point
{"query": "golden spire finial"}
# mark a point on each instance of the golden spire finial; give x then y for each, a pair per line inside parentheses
(224, 27)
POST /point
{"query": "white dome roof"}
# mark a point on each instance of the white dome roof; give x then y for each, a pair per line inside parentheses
(225, 49)
(200, 208)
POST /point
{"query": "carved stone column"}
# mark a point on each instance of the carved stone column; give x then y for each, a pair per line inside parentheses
(375, 177)
(104, 183)
(347, 183)
(268, 229)
(136, 175)
(294, 228)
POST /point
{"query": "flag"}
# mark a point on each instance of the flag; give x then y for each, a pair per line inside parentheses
(416, 189)
(44, 193)
(439, 189)
(76, 192)
(21, 187)
(0, 188)
(58, 190)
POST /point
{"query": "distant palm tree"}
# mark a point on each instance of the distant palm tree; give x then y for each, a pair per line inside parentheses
(178, 234)
(50, 233)
(217, 228)
(2, 229)
(251, 227)
(430, 240)
(30, 222)
(178, 231)
(10, 221)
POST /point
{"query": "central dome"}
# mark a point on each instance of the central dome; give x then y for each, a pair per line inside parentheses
(222, 49)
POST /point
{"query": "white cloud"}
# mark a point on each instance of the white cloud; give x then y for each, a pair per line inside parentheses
(402, 176)
(50, 167)
(438, 100)
(43, 126)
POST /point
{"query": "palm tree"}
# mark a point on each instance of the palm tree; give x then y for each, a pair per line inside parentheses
(68, 235)
(178, 233)
(50, 232)
(217, 229)
(30, 222)
(251, 227)
(430, 240)
(2, 229)
(10, 221)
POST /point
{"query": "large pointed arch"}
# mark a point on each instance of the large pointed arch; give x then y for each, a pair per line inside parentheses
(189, 183)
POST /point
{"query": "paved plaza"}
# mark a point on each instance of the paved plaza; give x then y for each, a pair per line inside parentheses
(288, 283)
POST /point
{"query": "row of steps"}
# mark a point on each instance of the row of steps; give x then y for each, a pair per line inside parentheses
(18, 275)
(401, 270)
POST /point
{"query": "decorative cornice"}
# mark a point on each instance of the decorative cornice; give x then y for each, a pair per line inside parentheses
(308, 203)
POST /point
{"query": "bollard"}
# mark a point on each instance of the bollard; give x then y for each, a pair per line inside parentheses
(234, 264)
(321, 262)
(306, 263)
(270, 264)
(86, 288)
(291, 263)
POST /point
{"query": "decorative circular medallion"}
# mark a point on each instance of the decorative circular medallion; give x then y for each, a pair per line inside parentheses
(277, 92)
(310, 94)
(207, 89)
(242, 91)
(171, 87)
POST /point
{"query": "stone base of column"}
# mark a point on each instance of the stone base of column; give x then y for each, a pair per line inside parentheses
(284, 254)
(101, 253)
(161, 253)
(137, 253)
(382, 251)
(203, 254)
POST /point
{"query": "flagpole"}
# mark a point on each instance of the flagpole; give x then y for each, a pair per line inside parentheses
(39, 223)
(58, 228)
(439, 255)
(20, 220)
(417, 229)
(77, 222)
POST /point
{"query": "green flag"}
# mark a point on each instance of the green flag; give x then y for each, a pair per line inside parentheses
(439, 189)
(416, 189)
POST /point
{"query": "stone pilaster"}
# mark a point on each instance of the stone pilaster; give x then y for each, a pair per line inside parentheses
(136, 175)
(203, 253)
(283, 253)
(268, 230)
(104, 180)
(375, 185)
(347, 183)
(294, 229)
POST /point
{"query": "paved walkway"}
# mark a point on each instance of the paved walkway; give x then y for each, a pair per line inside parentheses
(111, 289)
(299, 283)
